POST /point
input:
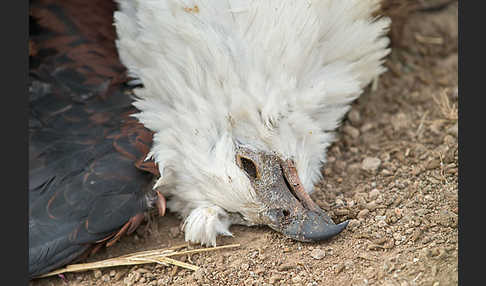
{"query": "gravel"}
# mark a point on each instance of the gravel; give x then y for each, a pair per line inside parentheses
(370, 164)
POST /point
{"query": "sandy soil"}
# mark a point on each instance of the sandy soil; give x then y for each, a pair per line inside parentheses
(392, 172)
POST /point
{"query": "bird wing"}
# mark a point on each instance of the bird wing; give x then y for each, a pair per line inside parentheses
(88, 179)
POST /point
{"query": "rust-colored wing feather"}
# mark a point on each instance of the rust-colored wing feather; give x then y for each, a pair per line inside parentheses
(87, 177)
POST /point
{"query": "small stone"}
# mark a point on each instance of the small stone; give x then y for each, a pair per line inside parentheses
(351, 131)
(339, 202)
(275, 278)
(400, 121)
(285, 267)
(339, 268)
(174, 231)
(354, 223)
(112, 273)
(105, 278)
(366, 127)
(398, 212)
(397, 236)
(371, 205)
(374, 194)
(97, 274)
(136, 276)
(296, 279)
(118, 276)
(355, 117)
(245, 266)
(354, 167)
(381, 224)
(363, 213)
(449, 140)
(341, 212)
(198, 274)
(348, 264)
(370, 164)
(433, 164)
(128, 281)
(318, 253)
(453, 130)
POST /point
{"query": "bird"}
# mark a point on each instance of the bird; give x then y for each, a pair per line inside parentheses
(218, 111)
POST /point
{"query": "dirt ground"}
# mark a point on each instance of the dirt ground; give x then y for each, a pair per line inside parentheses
(392, 172)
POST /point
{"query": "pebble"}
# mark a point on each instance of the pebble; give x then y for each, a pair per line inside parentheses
(354, 167)
(339, 202)
(339, 268)
(433, 164)
(285, 267)
(370, 164)
(318, 253)
(398, 212)
(275, 278)
(198, 274)
(363, 213)
(453, 130)
(118, 275)
(371, 205)
(174, 231)
(397, 236)
(128, 281)
(449, 140)
(366, 127)
(112, 273)
(374, 194)
(351, 131)
(348, 264)
(353, 224)
(381, 224)
(355, 117)
(97, 274)
(296, 279)
(341, 212)
(143, 270)
(136, 276)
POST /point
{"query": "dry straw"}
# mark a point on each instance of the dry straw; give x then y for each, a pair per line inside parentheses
(160, 256)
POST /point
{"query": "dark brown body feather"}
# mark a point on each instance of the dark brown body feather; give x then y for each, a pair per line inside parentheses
(87, 177)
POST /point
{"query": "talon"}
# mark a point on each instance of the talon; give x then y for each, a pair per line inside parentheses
(161, 203)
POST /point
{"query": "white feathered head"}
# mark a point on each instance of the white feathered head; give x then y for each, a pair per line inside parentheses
(243, 97)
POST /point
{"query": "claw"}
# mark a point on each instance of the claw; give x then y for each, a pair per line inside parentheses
(161, 203)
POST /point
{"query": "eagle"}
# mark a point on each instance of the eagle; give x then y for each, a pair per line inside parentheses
(219, 111)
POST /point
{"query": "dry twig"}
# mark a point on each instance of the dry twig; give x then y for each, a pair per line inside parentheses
(160, 256)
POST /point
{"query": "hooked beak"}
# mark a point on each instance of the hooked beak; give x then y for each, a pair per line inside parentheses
(297, 215)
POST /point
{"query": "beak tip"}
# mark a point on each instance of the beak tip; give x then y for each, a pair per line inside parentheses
(343, 225)
(329, 231)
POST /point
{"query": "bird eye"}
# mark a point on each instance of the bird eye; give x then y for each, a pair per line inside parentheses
(249, 167)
